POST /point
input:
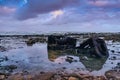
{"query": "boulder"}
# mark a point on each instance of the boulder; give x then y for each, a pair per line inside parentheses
(112, 75)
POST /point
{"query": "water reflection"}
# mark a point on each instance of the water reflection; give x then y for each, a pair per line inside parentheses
(39, 57)
(70, 54)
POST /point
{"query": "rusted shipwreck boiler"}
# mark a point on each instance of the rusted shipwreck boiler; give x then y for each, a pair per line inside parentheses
(93, 46)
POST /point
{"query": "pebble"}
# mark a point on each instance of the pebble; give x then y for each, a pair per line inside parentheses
(73, 78)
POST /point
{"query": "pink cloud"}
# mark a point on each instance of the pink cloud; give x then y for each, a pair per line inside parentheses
(35, 7)
(105, 3)
(6, 10)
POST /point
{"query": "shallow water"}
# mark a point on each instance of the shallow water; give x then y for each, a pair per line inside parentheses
(35, 58)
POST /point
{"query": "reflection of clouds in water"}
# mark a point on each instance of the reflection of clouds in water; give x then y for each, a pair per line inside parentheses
(36, 58)
(62, 59)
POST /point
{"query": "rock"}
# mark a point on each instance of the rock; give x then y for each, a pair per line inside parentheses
(85, 79)
(2, 49)
(12, 67)
(32, 41)
(84, 58)
(69, 59)
(118, 64)
(112, 51)
(64, 67)
(29, 77)
(57, 77)
(66, 78)
(112, 75)
(9, 68)
(73, 78)
(119, 52)
(113, 58)
(42, 72)
(5, 58)
(16, 77)
(2, 77)
(45, 76)
(25, 72)
(100, 78)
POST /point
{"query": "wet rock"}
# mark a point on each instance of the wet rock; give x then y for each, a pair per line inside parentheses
(42, 72)
(69, 59)
(112, 75)
(12, 67)
(85, 79)
(84, 58)
(2, 77)
(32, 41)
(118, 52)
(5, 58)
(25, 72)
(2, 49)
(45, 76)
(118, 64)
(89, 77)
(113, 58)
(57, 77)
(112, 51)
(17, 61)
(7, 69)
(73, 78)
(64, 67)
(111, 62)
(117, 68)
(29, 77)
(16, 77)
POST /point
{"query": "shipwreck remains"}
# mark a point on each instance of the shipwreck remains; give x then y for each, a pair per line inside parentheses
(92, 51)
(95, 47)
(60, 42)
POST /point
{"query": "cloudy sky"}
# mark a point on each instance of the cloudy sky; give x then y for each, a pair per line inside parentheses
(60, 15)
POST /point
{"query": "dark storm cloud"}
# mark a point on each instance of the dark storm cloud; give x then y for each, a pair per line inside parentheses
(60, 15)
(35, 7)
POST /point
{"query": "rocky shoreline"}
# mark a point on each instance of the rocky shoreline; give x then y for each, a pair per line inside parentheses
(61, 75)
(26, 45)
